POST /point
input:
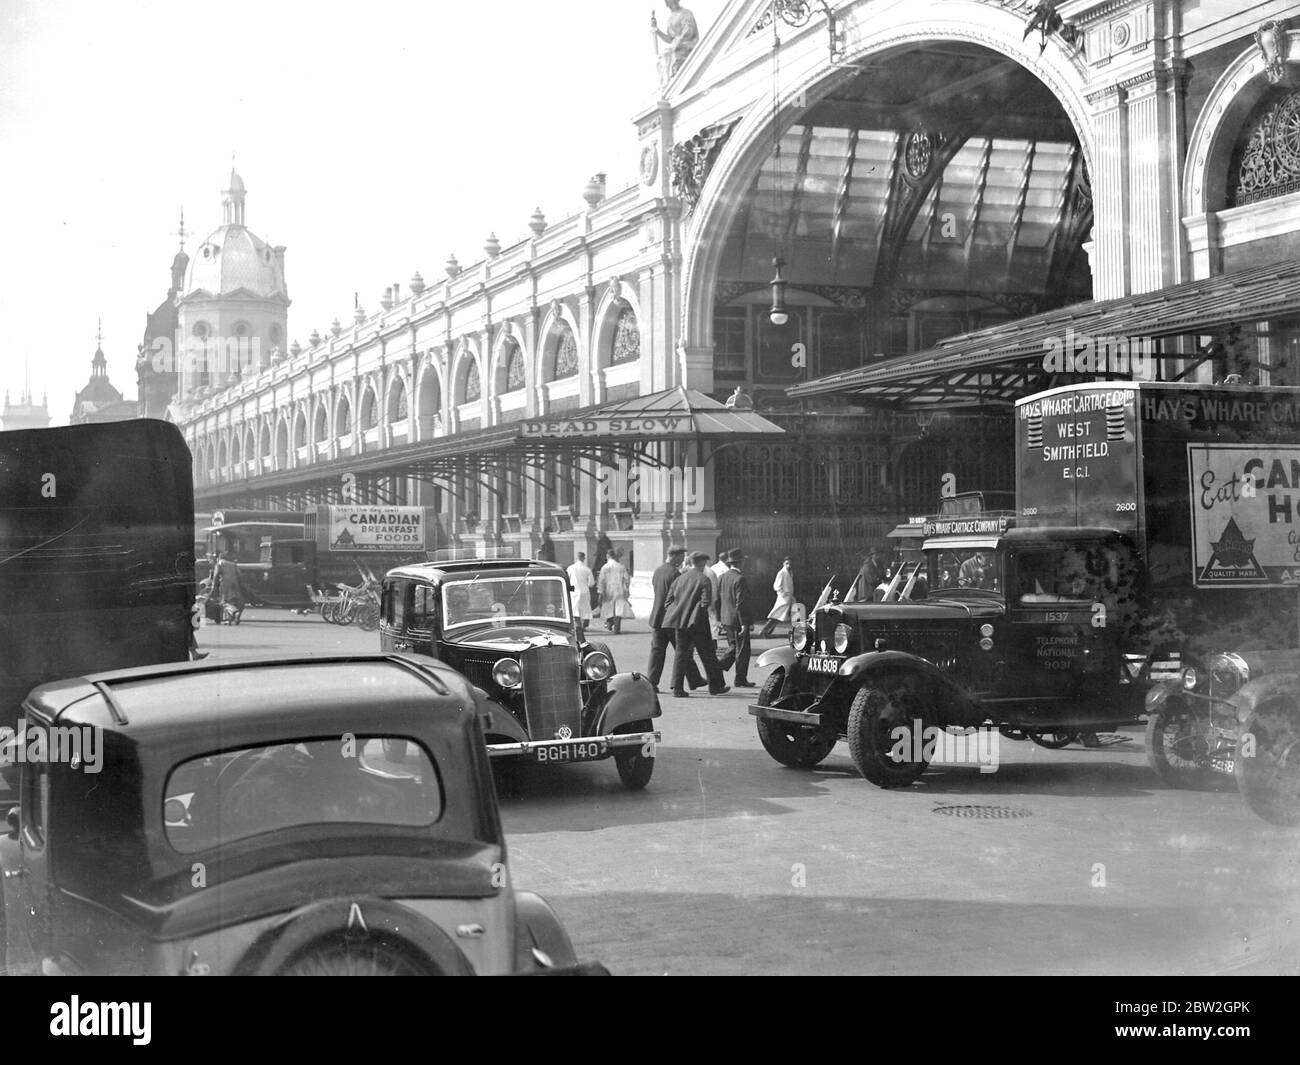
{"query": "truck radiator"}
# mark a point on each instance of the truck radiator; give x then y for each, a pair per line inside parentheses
(552, 695)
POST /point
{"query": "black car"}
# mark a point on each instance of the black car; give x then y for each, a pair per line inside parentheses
(508, 626)
(307, 816)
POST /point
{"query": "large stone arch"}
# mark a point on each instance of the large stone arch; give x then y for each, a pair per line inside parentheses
(300, 427)
(396, 389)
(428, 398)
(503, 346)
(616, 299)
(549, 341)
(343, 420)
(281, 458)
(367, 404)
(466, 354)
(1209, 151)
(876, 30)
(320, 421)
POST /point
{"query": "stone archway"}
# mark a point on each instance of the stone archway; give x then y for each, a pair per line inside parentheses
(881, 35)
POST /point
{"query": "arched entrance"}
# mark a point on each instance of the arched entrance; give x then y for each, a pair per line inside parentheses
(938, 185)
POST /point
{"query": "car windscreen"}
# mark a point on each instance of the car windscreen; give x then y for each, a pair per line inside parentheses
(505, 598)
(232, 795)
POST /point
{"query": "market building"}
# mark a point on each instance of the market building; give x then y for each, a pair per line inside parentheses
(866, 226)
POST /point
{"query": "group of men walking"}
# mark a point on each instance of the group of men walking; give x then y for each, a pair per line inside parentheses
(688, 602)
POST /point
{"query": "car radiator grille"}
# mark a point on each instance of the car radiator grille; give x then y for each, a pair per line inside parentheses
(552, 696)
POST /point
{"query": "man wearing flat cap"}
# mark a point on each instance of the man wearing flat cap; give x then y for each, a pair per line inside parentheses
(687, 612)
(663, 636)
(734, 612)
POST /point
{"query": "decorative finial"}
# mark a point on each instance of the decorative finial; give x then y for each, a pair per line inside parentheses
(492, 246)
(417, 283)
(181, 231)
(315, 337)
(537, 223)
(452, 265)
(335, 327)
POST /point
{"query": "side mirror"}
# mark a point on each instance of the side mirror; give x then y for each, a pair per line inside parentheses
(13, 820)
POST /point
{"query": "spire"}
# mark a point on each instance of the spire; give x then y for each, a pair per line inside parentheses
(99, 364)
(181, 232)
(233, 203)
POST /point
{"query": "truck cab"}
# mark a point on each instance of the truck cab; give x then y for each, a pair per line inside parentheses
(1010, 628)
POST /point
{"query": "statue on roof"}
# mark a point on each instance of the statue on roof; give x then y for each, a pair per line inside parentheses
(682, 35)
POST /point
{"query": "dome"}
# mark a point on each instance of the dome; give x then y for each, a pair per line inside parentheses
(234, 260)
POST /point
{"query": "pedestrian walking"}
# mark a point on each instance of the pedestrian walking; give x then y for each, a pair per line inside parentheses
(581, 581)
(734, 612)
(715, 580)
(663, 636)
(614, 585)
(546, 549)
(228, 590)
(687, 613)
(783, 609)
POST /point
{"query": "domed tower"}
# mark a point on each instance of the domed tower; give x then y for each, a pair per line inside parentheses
(155, 366)
(233, 311)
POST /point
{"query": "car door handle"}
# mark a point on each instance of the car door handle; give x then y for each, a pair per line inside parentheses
(471, 931)
(399, 645)
(14, 874)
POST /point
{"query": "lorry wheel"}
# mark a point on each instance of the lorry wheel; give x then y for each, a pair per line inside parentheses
(884, 723)
(634, 767)
(796, 746)
(1053, 741)
(1177, 748)
(1269, 778)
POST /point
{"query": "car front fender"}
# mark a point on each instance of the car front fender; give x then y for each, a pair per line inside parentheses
(1252, 694)
(959, 707)
(504, 723)
(537, 927)
(628, 697)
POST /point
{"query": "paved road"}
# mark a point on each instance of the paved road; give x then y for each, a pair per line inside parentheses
(1074, 861)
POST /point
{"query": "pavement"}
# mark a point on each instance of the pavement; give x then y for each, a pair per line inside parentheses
(1071, 861)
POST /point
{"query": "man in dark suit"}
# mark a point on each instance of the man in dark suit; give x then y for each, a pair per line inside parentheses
(663, 636)
(687, 613)
(734, 613)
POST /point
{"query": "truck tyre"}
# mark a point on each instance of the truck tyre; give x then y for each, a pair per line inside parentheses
(1269, 778)
(796, 746)
(877, 711)
(1177, 748)
(1053, 740)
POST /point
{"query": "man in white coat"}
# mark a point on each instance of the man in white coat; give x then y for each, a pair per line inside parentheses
(614, 584)
(783, 585)
(715, 573)
(582, 580)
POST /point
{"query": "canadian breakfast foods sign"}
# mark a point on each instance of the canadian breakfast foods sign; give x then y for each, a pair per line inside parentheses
(1245, 515)
(376, 528)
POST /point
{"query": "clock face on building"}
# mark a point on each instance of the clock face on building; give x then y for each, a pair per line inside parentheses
(649, 164)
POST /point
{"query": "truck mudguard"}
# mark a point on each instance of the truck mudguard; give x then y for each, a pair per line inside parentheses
(959, 705)
(783, 657)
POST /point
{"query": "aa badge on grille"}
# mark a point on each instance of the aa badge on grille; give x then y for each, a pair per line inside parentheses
(563, 732)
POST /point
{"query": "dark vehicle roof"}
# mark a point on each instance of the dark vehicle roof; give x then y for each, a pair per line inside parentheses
(107, 839)
(488, 567)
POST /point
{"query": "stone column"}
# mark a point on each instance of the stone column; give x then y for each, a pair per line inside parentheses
(1110, 195)
(1154, 153)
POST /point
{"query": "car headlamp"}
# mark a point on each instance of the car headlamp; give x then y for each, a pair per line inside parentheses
(508, 674)
(596, 665)
(1190, 678)
(1228, 673)
(986, 631)
(799, 635)
(842, 635)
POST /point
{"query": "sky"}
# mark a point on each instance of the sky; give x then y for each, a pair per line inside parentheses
(374, 140)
